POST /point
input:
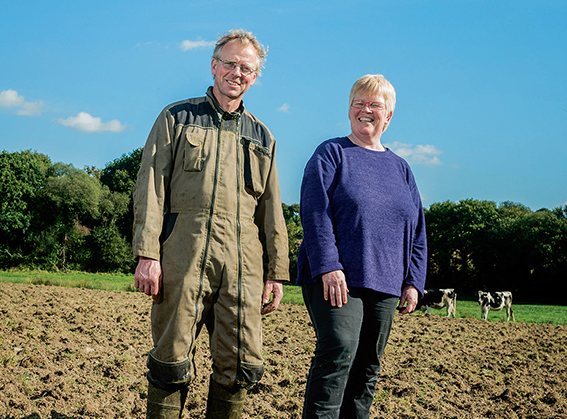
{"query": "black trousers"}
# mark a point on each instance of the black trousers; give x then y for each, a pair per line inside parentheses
(350, 342)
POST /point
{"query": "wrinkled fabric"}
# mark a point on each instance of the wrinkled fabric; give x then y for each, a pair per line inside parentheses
(207, 205)
(362, 213)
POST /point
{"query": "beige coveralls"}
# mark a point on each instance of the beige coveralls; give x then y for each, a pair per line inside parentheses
(207, 204)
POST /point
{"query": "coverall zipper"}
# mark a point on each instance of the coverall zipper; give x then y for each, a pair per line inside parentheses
(238, 230)
(238, 245)
(209, 229)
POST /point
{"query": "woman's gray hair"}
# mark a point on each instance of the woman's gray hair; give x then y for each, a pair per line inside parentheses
(246, 38)
(373, 84)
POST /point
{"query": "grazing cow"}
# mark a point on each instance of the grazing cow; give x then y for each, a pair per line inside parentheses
(495, 301)
(439, 298)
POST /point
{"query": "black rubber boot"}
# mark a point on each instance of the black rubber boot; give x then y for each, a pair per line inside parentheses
(163, 404)
(224, 403)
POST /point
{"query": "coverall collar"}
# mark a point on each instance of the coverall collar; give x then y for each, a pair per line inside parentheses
(220, 111)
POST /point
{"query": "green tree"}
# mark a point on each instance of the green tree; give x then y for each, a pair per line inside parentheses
(294, 234)
(457, 234)
(75, 204)
(534, 255)
(508, 210)
(76, 194)
(560, 212)
(21, 176)
(56, 216)
(477, 245)
(109, 250)
(120, 176)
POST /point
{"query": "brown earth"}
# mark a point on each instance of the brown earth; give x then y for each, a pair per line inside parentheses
(71, 353)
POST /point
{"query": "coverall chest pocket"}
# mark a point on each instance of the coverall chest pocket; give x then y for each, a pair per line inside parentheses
(194, 153)
(257, 162)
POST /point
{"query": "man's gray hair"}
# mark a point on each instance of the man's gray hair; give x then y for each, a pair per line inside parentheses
(246, 38)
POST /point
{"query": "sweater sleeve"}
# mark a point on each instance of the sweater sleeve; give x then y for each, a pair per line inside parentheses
(316, 211)
(417, 271)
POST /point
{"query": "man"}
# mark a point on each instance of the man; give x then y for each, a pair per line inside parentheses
(210, 236)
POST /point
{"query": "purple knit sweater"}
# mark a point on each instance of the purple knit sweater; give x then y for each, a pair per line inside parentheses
(361, 212)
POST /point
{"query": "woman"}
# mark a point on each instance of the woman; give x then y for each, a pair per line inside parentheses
(364, 249)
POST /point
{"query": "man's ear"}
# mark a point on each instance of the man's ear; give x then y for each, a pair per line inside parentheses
(254, 79)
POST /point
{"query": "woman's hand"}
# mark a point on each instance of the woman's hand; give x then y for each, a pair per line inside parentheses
(409, 295)
(335, 287)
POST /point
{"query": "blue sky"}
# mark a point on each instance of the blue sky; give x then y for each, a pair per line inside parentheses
(481, 85)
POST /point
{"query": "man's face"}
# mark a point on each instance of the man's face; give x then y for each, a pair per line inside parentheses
(231, 85)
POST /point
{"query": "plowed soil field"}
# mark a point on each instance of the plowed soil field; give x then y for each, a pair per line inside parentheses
(73, 353)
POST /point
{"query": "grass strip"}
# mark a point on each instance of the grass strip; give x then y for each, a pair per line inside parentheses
(525, 313)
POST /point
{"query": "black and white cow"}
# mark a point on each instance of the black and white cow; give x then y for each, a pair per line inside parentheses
(495, 301)
(439, 298)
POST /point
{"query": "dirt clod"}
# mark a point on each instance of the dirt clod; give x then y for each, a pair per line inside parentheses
(73, 353)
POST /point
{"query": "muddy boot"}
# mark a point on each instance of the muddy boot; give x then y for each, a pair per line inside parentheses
(163, 404)
(224, 403)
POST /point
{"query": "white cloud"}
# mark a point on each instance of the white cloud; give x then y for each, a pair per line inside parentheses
(31, 108)
(190, 45)
(88, 123)
(284, 108)
(11, 99)
(418, 154)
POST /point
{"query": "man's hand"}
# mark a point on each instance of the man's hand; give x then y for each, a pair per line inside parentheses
(148, 277)
(409, 295)
(335, 288)
(275, 288)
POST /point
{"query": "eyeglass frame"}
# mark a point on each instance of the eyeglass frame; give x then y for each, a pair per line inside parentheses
(226, 63)
(380, 105)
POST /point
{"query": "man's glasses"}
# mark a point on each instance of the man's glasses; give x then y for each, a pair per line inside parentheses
(375, 106)
(231, 65)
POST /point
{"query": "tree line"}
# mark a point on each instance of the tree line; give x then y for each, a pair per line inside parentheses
(479, 245)
(56, 217)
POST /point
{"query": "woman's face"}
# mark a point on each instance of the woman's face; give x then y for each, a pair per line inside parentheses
(369, 121)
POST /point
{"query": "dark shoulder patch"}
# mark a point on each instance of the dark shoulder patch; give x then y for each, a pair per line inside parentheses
(255, 131)
(194, 111)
